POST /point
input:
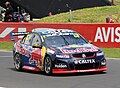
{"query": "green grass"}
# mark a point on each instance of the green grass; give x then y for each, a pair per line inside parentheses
(112, 52)
(87, 15)
(6, 46)
(109, 52)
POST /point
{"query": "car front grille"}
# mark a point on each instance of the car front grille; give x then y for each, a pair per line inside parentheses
(88, 55)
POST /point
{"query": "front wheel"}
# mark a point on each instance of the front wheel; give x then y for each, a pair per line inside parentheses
(48, 66)
(17, 62)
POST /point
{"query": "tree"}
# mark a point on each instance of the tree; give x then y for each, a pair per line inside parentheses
(113, 2)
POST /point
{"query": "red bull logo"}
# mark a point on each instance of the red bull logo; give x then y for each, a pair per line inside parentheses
(36, 57)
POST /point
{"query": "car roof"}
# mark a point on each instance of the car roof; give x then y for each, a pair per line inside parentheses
(50, 30)
(43, 29)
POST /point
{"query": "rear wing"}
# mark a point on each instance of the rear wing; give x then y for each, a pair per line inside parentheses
(12, 34)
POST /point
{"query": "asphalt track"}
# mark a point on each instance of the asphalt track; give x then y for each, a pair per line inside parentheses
(9, 78)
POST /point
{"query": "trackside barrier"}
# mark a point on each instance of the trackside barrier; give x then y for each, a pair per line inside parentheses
(102, 35)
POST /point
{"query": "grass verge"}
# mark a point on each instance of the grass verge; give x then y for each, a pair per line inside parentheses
(87, 15)
(109, 52)
(6, 46)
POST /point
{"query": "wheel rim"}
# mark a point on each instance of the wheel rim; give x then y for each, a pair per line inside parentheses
(17, 62)
(47, 65)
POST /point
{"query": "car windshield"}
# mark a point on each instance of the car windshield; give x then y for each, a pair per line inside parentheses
(63, 40)
(75, 40)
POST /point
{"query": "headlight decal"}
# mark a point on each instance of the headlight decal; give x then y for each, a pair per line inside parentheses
(100, 53)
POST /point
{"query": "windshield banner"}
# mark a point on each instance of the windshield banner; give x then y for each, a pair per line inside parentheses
(101, 35)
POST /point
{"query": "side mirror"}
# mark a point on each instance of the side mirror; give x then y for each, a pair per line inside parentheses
(90, 41)
(37, 46)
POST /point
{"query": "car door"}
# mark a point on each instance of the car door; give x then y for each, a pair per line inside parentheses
(36, 56)
(26, 48)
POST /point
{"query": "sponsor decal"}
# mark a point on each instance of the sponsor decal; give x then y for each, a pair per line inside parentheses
(63, 56)
(36, 58)
(79, 50)
(60, 65)
(87, 70)
(76, 35)
(57, 33)
(88, 61)
(34, 55)
(23, 49)
(103, 35)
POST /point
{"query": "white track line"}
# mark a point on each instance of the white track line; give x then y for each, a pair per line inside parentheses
(2, 87)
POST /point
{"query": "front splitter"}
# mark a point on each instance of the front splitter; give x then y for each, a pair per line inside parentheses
(102, 69)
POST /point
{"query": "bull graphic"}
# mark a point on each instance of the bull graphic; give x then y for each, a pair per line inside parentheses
(36, 58)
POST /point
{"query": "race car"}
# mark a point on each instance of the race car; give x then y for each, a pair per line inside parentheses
(56, 51)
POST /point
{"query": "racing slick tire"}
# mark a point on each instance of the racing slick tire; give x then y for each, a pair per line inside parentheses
(48, 66)
(17, 62)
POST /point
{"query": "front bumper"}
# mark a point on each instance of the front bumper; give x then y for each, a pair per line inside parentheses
(102, 69)
(75, 65)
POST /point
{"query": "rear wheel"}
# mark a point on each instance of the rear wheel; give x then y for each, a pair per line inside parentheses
(48, 66)
(17, 62)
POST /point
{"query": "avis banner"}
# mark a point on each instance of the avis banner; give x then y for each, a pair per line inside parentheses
(101, 35)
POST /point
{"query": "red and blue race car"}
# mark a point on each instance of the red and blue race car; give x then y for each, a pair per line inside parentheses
(56, 51)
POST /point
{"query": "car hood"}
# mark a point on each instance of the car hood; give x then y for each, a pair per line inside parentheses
(78, 48)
